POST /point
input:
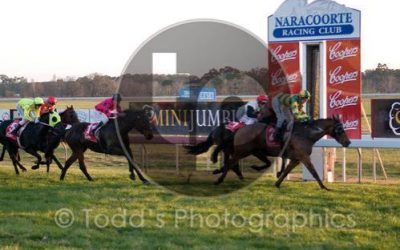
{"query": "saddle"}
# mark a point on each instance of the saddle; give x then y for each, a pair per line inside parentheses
(234, 126)
(270, 137)
(88, 133)
(10, 128)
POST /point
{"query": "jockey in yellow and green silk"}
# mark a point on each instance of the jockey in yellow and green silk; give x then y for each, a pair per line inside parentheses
(29, 110)
(289, 108)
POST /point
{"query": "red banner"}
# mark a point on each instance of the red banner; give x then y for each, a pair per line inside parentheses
(343, 68)
(284, 68)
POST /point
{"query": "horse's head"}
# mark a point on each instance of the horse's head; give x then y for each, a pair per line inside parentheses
(337, 132)
(69, 116)
(140, 119)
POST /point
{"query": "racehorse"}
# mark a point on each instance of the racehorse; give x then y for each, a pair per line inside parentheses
(223, 139)
(37, 137)
(252, 140)
(109, 140)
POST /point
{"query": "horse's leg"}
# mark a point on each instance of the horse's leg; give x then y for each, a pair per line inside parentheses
(13, 160)
(284, 161)
(238, 172)
(68, 163)
(214, 155)
(82, 166)
(17, 160)
(262, 157)
(132, 167)
(307, 162)
(292, 164)
(59, 165)
(2, 153)
(236, 167)
(221, 169)
(35, 154)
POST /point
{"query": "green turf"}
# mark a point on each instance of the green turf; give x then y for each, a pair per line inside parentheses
(367, 215)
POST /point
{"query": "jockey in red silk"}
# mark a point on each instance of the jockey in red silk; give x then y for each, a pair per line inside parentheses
(49, 105)
(107, 109)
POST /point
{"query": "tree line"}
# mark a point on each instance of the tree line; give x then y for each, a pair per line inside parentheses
(227, 81)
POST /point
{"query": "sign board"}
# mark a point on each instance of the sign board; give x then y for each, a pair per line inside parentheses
(296, 20)
(343, 67)
(4, 114)
(195, 93)
(190, 118)
(385, 118)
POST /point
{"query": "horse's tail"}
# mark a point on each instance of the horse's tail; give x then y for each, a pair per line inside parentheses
(201, 147)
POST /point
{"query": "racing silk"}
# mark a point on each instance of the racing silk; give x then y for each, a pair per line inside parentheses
(30, 112)
(54, 118)
(107, 107)
(252, 109)
(46, 108)
(294, 104)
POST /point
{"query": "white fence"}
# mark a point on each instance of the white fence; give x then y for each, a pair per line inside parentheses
(84, 115)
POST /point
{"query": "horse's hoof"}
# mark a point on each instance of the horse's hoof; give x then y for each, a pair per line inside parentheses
(277, 185)
(146, 182)
(23, 170)
(241, 178)
(132, 177)
(217, 171)
(35, 167)
(327, 189)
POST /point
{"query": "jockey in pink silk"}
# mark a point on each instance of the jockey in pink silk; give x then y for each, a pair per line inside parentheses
(107, 109)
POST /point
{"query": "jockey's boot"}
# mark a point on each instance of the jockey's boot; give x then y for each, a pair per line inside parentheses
(15, 131)
(279, 134)
(94, 131)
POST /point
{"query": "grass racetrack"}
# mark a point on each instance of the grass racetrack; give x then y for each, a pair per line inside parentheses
(299, 215)
(114, 212)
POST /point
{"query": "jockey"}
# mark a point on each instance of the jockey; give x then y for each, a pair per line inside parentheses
(289, 108)
(29, 110)
(49, 105)
(107, 109)
(252, 109)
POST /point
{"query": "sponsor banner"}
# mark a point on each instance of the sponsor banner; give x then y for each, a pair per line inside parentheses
(284, 68)
(319, 20)
(94, 116)
(385, 118)
(343, 66)
(4, 114)
(190, 118)
(83, 115)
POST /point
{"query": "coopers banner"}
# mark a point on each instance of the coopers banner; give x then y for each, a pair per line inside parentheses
(284, 68)
(344, 84)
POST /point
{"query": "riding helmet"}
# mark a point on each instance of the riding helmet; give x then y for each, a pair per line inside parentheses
(304, 94)
(38, 101)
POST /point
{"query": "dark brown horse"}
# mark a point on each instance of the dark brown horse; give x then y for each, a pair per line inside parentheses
(251, 140)
(223, 139)
(111, 137)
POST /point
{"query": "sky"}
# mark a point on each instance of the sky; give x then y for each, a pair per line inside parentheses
(42, 38)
